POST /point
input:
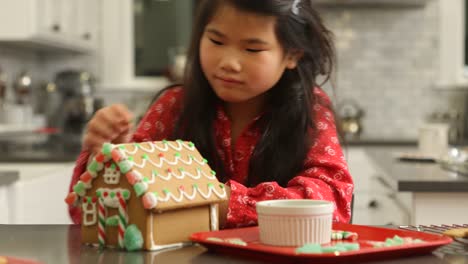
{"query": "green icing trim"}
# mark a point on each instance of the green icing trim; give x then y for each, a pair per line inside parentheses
(190, 144)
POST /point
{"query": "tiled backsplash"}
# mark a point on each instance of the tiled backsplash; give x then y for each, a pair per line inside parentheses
(387, 62)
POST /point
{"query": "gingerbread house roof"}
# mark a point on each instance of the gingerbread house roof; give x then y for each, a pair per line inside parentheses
(166, 175)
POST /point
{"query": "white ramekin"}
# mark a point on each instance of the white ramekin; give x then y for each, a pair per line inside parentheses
(294, 222)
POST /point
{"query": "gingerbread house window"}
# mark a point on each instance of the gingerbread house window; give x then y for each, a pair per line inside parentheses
(89, 212)
(111, 174)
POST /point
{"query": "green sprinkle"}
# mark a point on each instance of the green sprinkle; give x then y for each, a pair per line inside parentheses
(210, 185)
(205, 161)
(131, 158)
(221, 186)
(190, 144)
(113, 166)
(179, 141)
(145, 156)
(137, 145)
(164, 141)
(156, 194)
(195, 186)
(198, 169)
(98, 193)
(112, 194)
(145, 179)
(181, 169)
(177, 154)
(122, 147)
(155, 173)
(191, 157)
(213, 173)
(166, 191)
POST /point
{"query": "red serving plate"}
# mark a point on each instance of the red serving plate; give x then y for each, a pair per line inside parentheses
(366, 234)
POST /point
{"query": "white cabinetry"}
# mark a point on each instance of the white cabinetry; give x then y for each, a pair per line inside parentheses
(118, 56)
(38, 196)
(376, 202)
(66, 25)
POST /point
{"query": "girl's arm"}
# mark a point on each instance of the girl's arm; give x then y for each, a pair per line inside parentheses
(157, 124)
(325, 176)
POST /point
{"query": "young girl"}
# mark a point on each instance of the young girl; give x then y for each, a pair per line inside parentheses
(251, 104)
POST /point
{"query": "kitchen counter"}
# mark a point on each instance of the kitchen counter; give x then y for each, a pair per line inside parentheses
(57, 148)
(61, 244)
(416, 176)
(437, 196)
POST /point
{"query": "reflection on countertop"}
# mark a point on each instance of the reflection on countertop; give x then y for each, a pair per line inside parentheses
(56, 148)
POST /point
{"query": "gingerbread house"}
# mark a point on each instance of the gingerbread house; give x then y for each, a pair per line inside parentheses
(150, 195)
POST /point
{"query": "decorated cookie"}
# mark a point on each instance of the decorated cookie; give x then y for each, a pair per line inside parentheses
(457, 232)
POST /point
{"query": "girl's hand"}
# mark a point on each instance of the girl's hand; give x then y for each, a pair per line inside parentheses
(110, 124)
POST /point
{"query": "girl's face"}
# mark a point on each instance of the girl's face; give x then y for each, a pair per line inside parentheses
(241, 56)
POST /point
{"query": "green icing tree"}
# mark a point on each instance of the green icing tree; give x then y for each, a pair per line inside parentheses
(133, 239)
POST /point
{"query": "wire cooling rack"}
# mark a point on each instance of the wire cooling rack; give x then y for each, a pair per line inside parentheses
(459, 246)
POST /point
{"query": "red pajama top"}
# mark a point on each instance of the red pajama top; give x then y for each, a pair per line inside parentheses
(324, 176)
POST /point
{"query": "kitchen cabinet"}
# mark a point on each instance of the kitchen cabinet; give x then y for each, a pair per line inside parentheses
(58, 25)
(376, 202)
(38, 196)
(150, 34)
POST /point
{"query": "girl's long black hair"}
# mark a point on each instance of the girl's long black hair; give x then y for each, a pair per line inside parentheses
(287, 125)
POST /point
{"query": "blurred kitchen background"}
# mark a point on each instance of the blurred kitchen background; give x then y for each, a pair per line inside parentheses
(401, 66)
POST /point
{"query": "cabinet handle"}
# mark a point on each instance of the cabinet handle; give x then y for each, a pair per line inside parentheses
(373, 204)
(383, 182)
(56, 27)
(87, 36)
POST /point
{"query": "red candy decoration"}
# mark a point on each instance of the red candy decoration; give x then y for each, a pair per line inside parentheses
(85, 177)
(105, 194)
(71, 198)
(160, 155)
(116, 155)
(100, 158)
(94, 199)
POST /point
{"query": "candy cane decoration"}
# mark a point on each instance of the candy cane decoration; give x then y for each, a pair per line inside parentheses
(102, 214)
(122, 219)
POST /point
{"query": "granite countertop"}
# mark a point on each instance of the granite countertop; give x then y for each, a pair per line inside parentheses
(61, 244)
(416, 176)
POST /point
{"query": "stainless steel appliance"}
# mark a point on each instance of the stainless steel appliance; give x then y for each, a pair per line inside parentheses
(72, 102)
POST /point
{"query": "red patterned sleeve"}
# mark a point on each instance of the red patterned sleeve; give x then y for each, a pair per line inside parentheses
(157, 124)
(325, 177)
